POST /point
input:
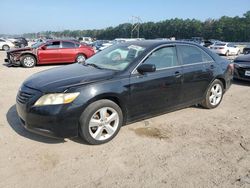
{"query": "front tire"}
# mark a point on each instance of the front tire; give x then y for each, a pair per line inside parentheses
(227, 53)
(214, 95)
(100, 122)
(28, 61)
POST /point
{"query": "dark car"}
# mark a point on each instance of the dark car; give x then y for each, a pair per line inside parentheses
(98, 44)
(242, 68)
(121, 84)
(50, 52)
(246, 50)
(20, 42)
(207, 43)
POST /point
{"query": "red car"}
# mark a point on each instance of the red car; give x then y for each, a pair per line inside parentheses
(51, 52)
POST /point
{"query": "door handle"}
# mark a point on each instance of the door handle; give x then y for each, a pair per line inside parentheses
(177, 74)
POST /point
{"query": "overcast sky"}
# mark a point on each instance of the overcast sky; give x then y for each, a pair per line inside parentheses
(23, 16)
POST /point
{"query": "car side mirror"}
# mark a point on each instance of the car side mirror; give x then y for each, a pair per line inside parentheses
(144, 68)
(44, 47)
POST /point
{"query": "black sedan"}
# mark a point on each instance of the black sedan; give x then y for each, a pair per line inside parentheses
(124, 83)
(242, 68)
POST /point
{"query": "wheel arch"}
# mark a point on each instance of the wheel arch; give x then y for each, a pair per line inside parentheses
(216, 78)
(5, 45)
(222, 80)
(114, 98)
(81, 53)
(27, 53)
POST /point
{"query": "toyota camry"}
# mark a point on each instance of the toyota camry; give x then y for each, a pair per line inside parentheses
(119, 85)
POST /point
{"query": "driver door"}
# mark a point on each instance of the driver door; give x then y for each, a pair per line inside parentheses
(158, 91)
(50, 54)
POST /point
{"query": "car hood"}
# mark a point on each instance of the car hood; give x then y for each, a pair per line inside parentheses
(20, 50)
(61, 78)
(244, 59)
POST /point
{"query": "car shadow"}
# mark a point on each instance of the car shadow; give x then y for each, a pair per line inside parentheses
(15, 124)
(241, 82)
(79, 140)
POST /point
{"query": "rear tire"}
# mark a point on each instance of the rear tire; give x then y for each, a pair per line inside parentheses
(100, 122)
(81, 58)
(214, 95)
(28, 61)
(5, 47)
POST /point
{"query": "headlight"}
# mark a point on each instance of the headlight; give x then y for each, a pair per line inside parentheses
(56, 98)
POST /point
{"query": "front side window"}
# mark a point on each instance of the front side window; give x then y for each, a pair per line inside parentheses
(191, 54)
(163, 58)
(68, 44)
(1, 40)
(52, 45)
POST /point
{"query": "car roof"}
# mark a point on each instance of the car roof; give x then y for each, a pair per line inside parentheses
(62, 40)
(148, 43)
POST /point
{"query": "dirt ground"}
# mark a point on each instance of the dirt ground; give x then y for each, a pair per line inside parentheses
(193, 147)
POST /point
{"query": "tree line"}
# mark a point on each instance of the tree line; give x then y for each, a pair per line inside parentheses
(231, 29)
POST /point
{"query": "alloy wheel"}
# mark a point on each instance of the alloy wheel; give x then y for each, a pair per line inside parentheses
(80, 58)
(215, 94)
(104, 123)
(29, 61)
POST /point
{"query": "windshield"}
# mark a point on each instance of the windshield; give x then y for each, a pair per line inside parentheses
(220, 44)
(117, 57)
(36, 45)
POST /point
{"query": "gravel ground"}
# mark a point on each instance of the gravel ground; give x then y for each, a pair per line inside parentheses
(193, 147)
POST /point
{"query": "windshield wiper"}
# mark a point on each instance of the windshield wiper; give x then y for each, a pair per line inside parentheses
(93, 65)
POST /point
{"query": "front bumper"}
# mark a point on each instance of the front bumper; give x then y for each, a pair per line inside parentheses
(239, 73)
(10, 60)
(59, 121)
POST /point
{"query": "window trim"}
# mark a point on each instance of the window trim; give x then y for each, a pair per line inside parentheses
(54, 48)
(150, 53)
(201, 62)
(68, 42)
(178, 57)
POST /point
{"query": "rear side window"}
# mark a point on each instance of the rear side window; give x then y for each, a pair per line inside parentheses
(68, 44)
(163, 58)
(191, 54)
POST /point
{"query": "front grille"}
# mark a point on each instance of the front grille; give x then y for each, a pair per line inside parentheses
(23, 97)
(242, 71)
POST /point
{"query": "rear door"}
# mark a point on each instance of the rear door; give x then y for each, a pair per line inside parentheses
(68, 52)
(155, 92)
(51, 54)
(197, 67)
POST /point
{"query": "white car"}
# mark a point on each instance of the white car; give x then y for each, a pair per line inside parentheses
(6, 44)
(225, 49)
